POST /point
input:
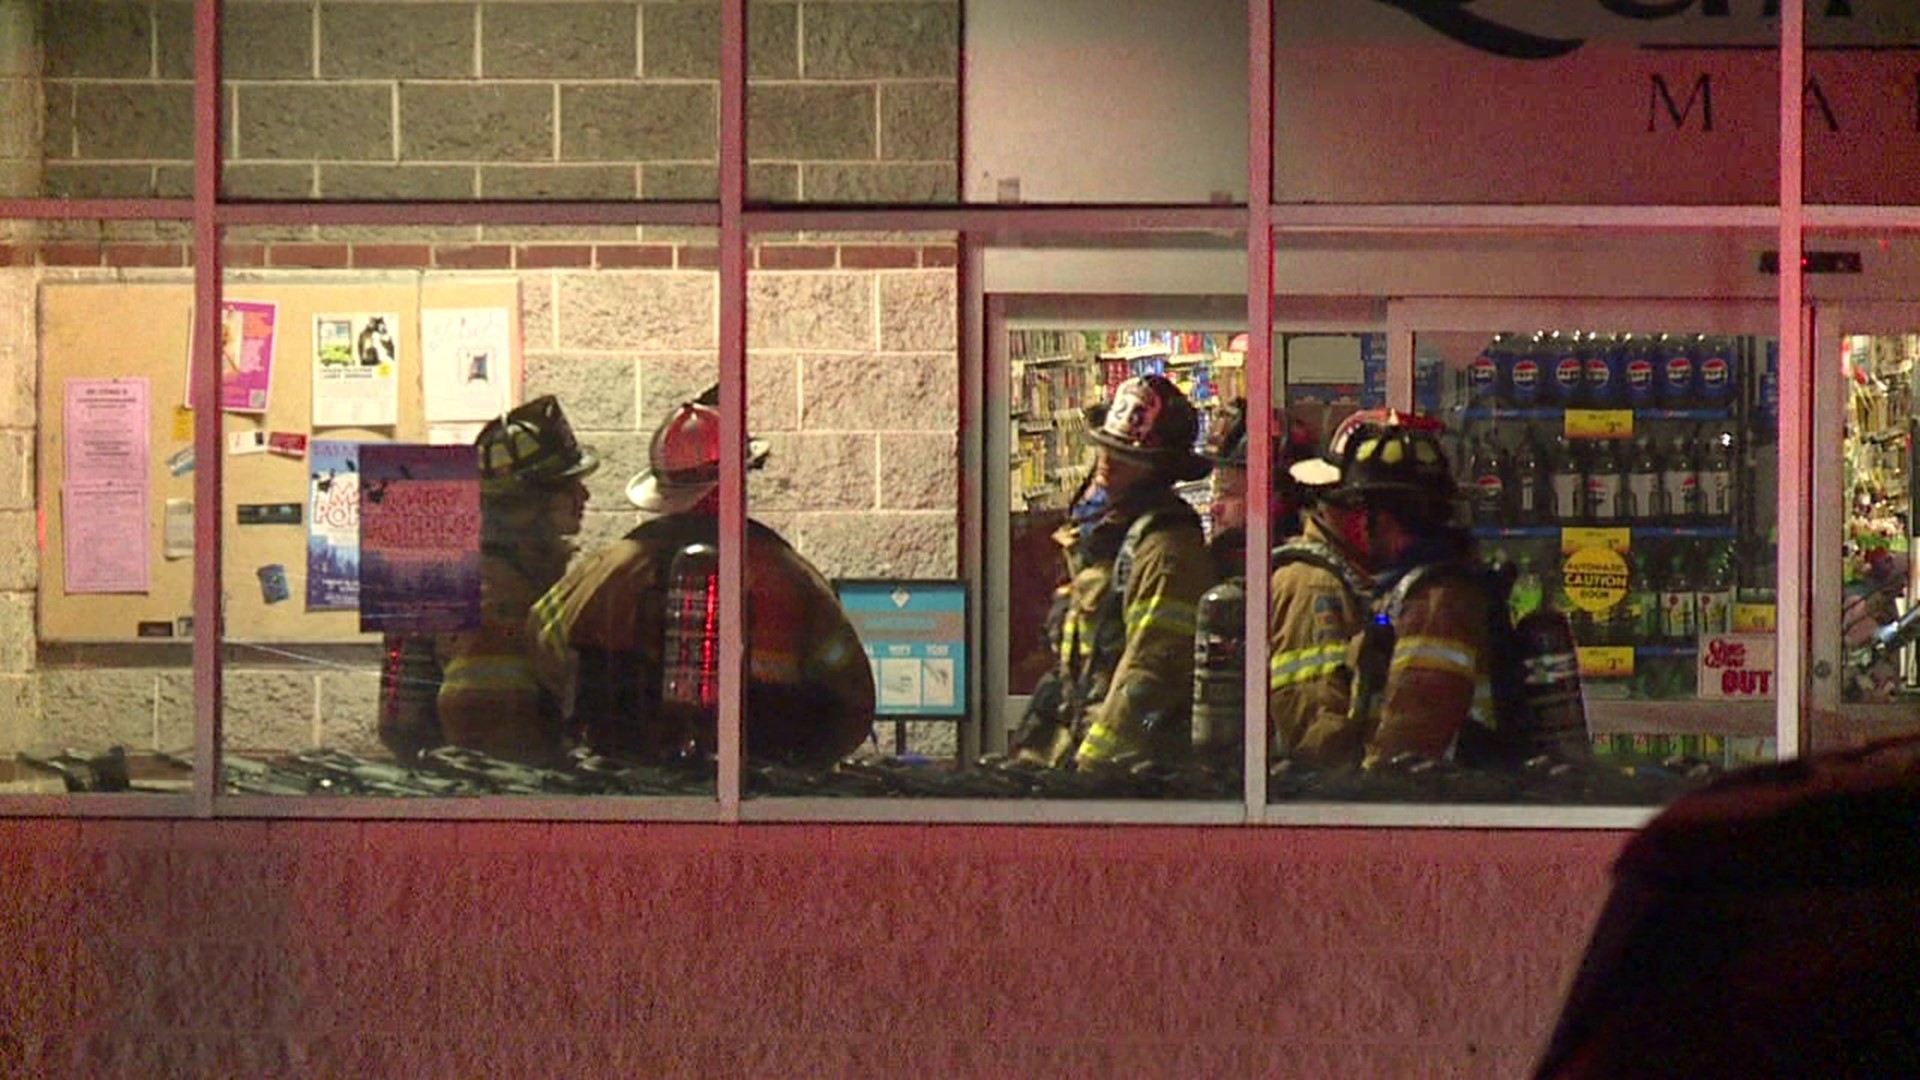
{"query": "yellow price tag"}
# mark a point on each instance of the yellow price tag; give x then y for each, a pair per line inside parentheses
(182, 424)
(1599, 423)
(1571, 540)
(1605, 661)
(1753, 619)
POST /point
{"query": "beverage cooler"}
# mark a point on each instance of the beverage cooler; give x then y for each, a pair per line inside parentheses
(1622, 464)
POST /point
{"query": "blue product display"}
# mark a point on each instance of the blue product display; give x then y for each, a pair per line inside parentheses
(1602, 379)
(1569, 376)
(1767, 405)
(1713, 375)
(1523, 377)
(1483, 378)
(1637, 376)
(1674, 373)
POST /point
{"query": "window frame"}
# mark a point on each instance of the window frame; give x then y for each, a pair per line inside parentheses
(1261, 220)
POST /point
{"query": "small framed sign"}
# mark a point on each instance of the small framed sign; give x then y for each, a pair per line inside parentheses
(915, 635)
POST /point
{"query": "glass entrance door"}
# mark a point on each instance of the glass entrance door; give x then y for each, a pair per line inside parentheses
(1865, 671)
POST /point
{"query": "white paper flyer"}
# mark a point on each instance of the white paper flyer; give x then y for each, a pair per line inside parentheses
(468, 363)
(356, 370)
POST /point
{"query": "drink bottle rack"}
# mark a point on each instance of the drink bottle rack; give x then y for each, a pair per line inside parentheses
(1640, 532)
(1556, 412)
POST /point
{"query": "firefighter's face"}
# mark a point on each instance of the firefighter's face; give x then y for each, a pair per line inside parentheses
(1229, 510)
(1348, 522)
(1116, 473)
(567, 507)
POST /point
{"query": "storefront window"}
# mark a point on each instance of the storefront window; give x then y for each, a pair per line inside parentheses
(107, 88)
(1859, 93)
(1064, 104)
(858, 642)
(96, 680)
(449, 437)
(436, 453)
(1862, 673)
(1630, 104)
(457, 101)
(846, 103)
(1619, 480)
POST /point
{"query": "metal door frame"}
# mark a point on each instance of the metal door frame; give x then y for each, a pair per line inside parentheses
(1831, 721)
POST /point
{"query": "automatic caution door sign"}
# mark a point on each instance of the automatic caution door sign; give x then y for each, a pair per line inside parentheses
(1595, 579)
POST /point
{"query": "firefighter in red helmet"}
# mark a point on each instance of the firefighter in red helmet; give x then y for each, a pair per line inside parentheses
(602, 633)
(1137, 563)
(477, 688)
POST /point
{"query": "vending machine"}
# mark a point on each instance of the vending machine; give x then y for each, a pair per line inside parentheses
(1622, 464)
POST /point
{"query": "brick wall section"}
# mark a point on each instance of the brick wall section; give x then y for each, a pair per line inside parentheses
(854, 379)
(322, 949)
(848, 102)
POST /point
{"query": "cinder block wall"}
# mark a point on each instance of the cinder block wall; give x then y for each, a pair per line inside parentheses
(19, 546)
(428, 99)
(336, 949)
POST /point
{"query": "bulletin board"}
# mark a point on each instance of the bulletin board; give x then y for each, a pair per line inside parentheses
(116, 330)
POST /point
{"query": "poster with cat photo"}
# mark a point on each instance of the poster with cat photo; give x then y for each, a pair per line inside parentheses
(356, 370)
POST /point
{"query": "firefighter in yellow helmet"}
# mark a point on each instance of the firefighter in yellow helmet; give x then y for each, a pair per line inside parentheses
(477, 688)
(1422, 668)
(603, 631)
(1137, 563)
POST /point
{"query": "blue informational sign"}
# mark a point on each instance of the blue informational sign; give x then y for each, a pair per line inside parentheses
(915, 634)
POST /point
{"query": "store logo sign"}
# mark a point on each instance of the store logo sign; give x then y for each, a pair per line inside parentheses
(1452, 18)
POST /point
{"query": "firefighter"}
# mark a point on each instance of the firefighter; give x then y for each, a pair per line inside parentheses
(1422, 666)
(601, 631)
(477, 688)
(1137, 562)
(1228, 514)
(1317, 602)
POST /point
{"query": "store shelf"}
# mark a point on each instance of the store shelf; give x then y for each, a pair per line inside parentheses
(1640, 532)
(1655, 651)
(1498, 412)
(1751, 719)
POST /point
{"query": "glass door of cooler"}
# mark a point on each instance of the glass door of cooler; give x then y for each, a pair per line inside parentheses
(1620, 459)
(1865, 681)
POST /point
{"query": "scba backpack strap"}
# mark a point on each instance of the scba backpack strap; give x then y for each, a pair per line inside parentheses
(1533, 669)
(1317, 554)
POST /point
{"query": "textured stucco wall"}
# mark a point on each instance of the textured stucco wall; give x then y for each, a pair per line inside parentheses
(849, 102)
(318, 949)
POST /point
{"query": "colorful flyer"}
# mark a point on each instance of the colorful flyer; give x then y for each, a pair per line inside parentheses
(333, 527)
(356, 370)
(467, 368)
(246, 356)
(419, 538)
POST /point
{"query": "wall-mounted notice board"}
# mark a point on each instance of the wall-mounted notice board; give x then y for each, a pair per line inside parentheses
(108, 336)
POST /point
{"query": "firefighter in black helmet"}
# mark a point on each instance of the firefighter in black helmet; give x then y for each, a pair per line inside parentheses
(1227, 539)
(477, 688)
(1418, 696)
(1137, 563)
(602, 632)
